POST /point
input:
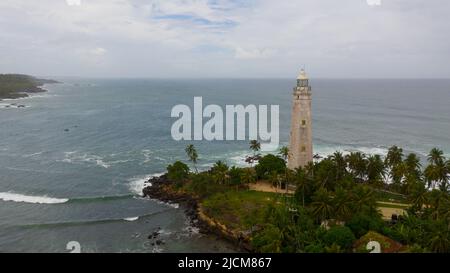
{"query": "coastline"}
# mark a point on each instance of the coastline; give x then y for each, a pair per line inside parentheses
(160, 188)
(21, 86)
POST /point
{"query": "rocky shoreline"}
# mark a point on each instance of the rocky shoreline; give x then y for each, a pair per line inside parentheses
(15, 86)
(159, 188)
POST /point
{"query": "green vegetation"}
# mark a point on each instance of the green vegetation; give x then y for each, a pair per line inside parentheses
(239, 209)
(178, 172)
(15, 85)
(386, 244)
(336, 204)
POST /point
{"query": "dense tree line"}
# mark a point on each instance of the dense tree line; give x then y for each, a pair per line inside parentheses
(335, 200)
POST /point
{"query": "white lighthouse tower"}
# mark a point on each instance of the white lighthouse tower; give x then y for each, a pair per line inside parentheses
(301, 144)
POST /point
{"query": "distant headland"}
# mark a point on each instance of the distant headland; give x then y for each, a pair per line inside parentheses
(13, 86)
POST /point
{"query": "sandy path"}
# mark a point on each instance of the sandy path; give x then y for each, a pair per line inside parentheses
(265, 186)
(387, 212)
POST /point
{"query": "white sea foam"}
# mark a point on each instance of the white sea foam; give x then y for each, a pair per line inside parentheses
(147, 155)
(38, 95)
(157, 249)
(77, 158)
(238, 158)
(21, 198)
(138, 183)
(172, 205)
(131, 219)
(12, 106)
(372, 150)
(32, 155)
(325, 151)
(164, 232)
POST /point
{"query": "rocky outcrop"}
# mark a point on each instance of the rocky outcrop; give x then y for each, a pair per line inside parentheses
(162, 189)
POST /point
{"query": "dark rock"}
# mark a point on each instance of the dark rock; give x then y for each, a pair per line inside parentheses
(158, 190)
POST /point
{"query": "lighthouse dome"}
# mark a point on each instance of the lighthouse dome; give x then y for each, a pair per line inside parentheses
(302, 75)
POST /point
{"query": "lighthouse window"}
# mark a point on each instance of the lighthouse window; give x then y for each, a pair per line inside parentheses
(303, 149)
(304, 122)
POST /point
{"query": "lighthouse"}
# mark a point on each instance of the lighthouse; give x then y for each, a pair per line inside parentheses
(301, 146)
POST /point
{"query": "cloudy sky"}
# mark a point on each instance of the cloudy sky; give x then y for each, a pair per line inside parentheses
(226, 38)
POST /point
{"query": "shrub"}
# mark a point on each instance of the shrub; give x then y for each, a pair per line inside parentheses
(203, 185)
(339, 236)
(269, 164)
(235, 176)
(360, 224)
(314, 248)
(178, 172)
(387, 245)
(267, 240)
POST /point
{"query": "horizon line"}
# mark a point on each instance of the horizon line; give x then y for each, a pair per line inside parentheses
(235, 78)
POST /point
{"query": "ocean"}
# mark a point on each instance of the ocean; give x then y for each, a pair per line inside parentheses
(74, 160)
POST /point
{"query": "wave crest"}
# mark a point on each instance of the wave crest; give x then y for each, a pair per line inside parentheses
(138, 183)
(21, 198)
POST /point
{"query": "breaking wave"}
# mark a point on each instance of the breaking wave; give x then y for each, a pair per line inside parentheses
(90, 222)
(32, 199)
(138, 183)
(21, 198)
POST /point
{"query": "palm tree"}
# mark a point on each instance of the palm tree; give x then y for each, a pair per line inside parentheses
(436, 156)
(341, 165)
(284, 152)
(364, 199)
(193, 155)
(413, 166)
(325, 175)
(394, 161)
(248, 176)
(322, 205)
(310, 170)
(437, 171)
(220, 172)
(439, 204)
(418, 196)
(342, 204)
(394, 157)
(219, 165)
(439, 241)
(357, 164)
(375, 170)
(274, 179)
(255, 146)
(302, 182)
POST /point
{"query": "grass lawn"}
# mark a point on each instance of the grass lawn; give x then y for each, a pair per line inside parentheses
(386, 196)
(239, 209)
(393, 205)
(242, 209)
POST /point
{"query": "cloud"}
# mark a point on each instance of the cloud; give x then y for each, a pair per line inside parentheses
(99, 51)
(254, 53)
(160, 38)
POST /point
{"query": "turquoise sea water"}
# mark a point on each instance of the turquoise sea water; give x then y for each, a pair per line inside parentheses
(73, 161)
